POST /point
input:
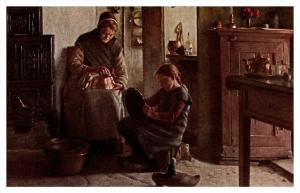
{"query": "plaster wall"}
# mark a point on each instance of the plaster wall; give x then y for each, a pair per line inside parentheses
(66, 24)
(188, 17)
(133, 53)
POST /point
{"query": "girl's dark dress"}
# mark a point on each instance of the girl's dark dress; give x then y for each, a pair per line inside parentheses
(151, 135)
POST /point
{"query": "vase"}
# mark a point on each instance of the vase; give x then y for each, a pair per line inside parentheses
(248, 22)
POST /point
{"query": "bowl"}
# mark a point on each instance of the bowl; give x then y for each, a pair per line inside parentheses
(66, 156)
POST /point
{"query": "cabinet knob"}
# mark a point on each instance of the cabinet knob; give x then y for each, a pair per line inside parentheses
(233, 38)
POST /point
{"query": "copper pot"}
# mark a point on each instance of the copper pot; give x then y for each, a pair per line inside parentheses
(66, 156)
(96, 81)
(173, 46)
(103, 83)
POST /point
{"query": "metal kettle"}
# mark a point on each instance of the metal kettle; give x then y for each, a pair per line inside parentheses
(258, 64)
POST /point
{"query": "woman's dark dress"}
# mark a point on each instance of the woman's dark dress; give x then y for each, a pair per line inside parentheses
(93, 114)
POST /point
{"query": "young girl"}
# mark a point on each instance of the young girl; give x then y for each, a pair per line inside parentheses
(165, 121)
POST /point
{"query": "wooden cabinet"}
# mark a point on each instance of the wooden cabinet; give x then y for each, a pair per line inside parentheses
(228, 49)
(30, 74)
(188, 67)
(21, 20)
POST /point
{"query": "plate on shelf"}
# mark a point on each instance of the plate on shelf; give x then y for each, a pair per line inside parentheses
(259, 75)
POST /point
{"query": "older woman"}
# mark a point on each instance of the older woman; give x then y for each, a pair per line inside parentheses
(96, 76)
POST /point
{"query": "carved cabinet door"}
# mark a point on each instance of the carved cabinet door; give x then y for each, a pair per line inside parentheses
(29, 58)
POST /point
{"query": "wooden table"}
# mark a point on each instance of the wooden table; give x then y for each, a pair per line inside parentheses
(265, 99)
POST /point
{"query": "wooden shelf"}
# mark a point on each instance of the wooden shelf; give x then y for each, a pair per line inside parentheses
(178, 57)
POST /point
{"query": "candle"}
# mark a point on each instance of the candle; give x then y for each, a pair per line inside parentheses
(231, 10)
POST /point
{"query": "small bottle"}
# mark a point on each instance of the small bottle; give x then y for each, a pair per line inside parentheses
(188, 45)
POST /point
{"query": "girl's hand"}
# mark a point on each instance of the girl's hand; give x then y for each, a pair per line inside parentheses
(149, 111)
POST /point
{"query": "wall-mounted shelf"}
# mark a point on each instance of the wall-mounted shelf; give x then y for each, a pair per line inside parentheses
(177, 58)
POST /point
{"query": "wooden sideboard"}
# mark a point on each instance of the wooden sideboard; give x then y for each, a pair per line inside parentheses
(268, 100)
(227, 50)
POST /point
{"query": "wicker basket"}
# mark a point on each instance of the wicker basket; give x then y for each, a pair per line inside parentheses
(66, 156)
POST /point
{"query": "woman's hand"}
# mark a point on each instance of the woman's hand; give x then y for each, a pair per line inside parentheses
(118, 86)
(103, 71)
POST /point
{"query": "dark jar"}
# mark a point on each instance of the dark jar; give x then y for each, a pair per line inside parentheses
(274, 19)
